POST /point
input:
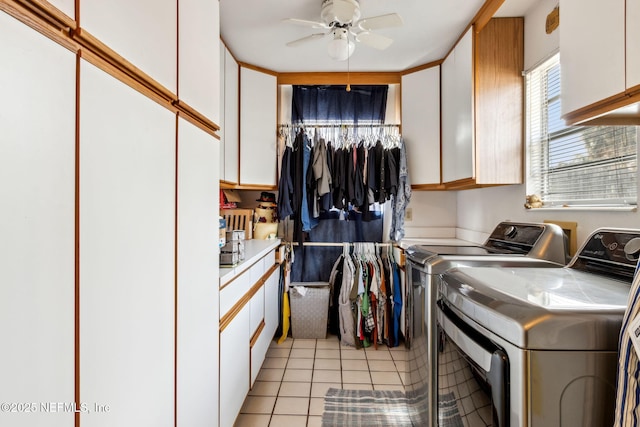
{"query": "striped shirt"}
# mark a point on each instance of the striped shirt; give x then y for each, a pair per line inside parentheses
(627, 384)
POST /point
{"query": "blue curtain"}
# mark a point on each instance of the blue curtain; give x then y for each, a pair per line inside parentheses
(334, 104)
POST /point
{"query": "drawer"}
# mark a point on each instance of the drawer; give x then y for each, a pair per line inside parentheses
(234, 291)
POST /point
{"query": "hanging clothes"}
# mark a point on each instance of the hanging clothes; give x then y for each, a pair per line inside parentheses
(402, 198)
(370, 298)
(285, 185)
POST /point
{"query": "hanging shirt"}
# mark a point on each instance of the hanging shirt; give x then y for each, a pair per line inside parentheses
(402, 198)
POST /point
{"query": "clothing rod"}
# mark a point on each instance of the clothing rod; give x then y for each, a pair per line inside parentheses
(339, 245)
(339, 126)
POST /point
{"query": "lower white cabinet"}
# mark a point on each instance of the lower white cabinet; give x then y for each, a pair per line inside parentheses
(248, 323)
(234, 366)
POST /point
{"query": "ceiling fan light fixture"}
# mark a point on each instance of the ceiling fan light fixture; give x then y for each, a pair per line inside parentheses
(340, 47)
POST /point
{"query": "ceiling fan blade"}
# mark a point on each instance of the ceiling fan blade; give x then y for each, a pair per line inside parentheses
(343, 10)
(305, 39)
(382, 21)
(306, 23)
(374, 40)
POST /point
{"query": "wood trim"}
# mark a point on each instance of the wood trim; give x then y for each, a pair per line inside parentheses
(244, 300)
(108, 55)
(256, 68)
(76, 316)
(201, 118)
(256, 334)
(328, 78)
(255, 187)
(602, 112)
(486, 12)
(460, 184)
(47, 25)
(434, 187)
(175, 276)
(48, 13)
(422, 67)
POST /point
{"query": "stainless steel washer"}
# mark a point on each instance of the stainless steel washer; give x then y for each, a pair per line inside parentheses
(510, 244)
(531, 347)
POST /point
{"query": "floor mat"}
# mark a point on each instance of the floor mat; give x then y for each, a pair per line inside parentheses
(365, 408)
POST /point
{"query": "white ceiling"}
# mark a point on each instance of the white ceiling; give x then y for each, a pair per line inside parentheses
(255, 33)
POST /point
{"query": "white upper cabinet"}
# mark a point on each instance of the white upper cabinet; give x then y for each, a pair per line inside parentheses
(592, 51)
(144, 32)
(230, 136)
(633, 43)
(37, 184)
(199, 56)
(421, 124)
(457, 112)
(258, 110)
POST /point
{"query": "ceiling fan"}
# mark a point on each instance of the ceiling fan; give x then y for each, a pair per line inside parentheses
(341, 19)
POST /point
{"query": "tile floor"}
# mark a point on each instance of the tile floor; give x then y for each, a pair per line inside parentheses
(295, 376)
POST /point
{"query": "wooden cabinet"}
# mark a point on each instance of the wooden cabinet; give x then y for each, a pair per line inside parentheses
(482, 113)
(37, 183)
(199, 56)
(258, 145)
(457, 112)
(248, 321)
(421, 125)
(126, 27)
(230, 137)
(127, 253)
(592, 51)
(197, 263)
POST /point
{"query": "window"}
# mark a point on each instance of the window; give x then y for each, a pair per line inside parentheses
(575, 165)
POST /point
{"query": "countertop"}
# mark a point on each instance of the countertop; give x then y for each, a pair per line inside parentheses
(405, 243)
(254, 249)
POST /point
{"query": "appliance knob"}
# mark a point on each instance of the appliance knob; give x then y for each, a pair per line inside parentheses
(510, 231)
(632, 247)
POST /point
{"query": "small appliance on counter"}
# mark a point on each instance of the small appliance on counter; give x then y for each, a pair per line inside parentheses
(233, 250)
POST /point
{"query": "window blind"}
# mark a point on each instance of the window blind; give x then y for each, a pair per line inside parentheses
(575, 165)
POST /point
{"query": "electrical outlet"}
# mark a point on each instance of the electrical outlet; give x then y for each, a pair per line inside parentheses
(408, 214)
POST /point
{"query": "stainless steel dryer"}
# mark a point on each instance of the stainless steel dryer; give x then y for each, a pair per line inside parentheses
(510, 244)
(532, 347)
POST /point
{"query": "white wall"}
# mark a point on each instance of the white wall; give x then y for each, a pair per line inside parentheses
(478, 211)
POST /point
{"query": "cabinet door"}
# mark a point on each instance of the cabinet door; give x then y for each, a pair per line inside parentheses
(592, 40)
(457, 112)
(633, 43)
(271, 300)
(258, 109)
(143, 32)
(199, 56)
(234, 367)
(421, 124)
(66, 6)
(257, 310)
(127, 253)
(231, 119)
(37, 180)
(198, 319)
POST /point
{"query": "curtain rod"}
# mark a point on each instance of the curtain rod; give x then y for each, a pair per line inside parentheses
(339, 245)
(337, 125)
